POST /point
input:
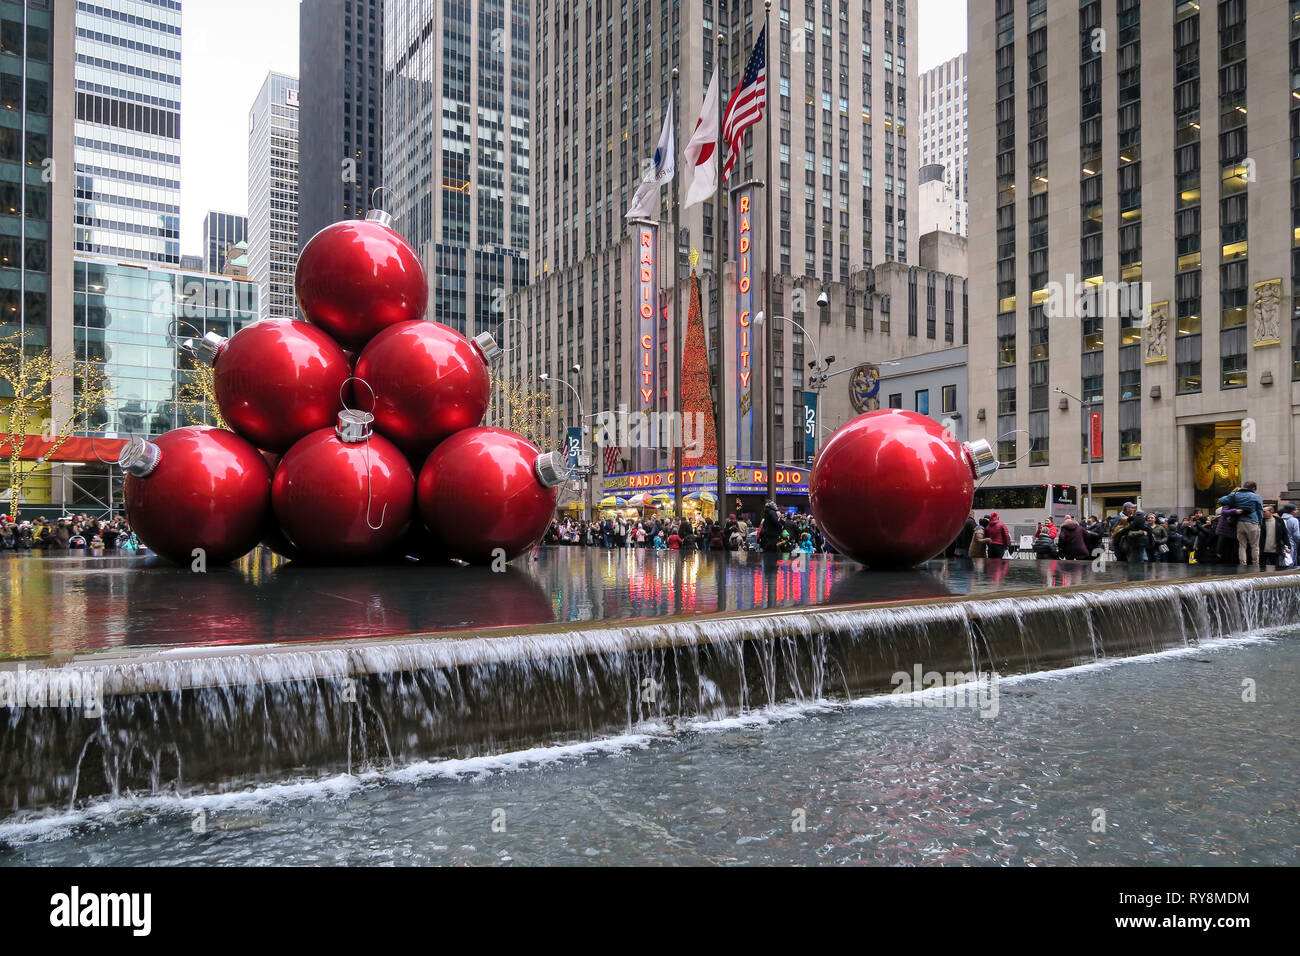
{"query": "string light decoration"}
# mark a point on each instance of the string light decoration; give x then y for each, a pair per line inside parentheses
(697, 399)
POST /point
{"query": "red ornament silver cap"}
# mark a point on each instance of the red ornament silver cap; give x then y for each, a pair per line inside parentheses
(206, 349)
(354, 426)
(487, 346)
(552, 469)
(139, 457)
(982, 460)
(380, 216)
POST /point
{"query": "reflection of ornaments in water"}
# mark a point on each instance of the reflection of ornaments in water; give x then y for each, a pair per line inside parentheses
(893, 488)
(196, 489)
(344, 493)
(487, 492)
(357, 277)
(275, 380)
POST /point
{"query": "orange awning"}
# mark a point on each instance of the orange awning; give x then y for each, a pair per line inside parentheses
(72, 450)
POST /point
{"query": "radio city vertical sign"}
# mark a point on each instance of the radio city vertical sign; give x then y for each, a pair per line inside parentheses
(646, 294)
(744, 258)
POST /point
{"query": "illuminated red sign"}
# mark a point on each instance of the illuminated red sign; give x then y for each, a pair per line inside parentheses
(646, 278)
(744, 344)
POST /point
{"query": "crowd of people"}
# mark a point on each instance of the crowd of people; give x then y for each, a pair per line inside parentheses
(776, 532)
(69, 533)
(1241, 531)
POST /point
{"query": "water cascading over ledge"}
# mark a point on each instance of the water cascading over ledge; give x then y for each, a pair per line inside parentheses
(189, 720)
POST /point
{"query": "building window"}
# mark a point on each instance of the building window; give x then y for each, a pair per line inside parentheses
(896, 400)
(1232, 358)
(922, 401)
(949, 398)
(1187, 358)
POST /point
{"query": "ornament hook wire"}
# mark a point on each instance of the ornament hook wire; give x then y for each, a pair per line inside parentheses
(370, 490)
(174, 326)
(370, 497)
(93, 450)
(104, 427)
(505, 325)
(373, 193)
(353, 378)
(1017, 461)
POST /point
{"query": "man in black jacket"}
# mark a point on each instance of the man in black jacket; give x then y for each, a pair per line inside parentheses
(769, 532)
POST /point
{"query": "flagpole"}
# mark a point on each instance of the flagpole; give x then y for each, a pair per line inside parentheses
(769, 339)
(720, 260)
(678, 504)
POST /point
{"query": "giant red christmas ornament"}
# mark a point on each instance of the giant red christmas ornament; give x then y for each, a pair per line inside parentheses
(343, 494)
(487, 493)
(196, 488)
(429, 382)
(357, 277)
(892, 488)
(275, 380)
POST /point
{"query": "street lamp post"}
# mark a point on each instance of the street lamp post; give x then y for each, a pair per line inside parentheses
(1087, 441)
(821, 379)
(583, 469)
(819, 368)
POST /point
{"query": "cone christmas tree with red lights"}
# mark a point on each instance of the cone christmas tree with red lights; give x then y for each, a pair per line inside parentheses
(697, 398)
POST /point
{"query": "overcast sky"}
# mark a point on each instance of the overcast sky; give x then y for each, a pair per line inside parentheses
(943, 31)
(228, 47)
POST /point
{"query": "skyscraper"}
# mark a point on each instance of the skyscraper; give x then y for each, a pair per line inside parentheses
(220, 231)
(340, 76)
(273, 195)
(128, 131)
(1160, 289)
(37, 105)
(841, 128)
(461, 196)
(944, 127)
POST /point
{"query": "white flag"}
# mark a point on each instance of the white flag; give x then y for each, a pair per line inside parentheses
(646, 201)
(702, 150)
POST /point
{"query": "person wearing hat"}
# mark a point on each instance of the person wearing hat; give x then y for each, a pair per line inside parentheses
(771, 528)
(1117, 527)
(999, 537)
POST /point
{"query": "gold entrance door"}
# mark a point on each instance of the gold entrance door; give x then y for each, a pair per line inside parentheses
(1216, 461)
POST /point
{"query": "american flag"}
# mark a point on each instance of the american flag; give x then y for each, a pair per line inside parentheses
(611, 459)
(746, 105)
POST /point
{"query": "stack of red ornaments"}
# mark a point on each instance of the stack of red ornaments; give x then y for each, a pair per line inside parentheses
(305, 469)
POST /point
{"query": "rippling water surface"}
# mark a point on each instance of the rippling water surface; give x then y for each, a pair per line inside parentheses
(1184, 769)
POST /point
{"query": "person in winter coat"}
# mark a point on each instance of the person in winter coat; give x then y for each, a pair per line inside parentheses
(1273, 539)
(1249, 508)
(979, 539)
(1070, 541)
(1137, 538)
(1045, 542)
(771, 529)
(1160, 549)
(1117, 528)
(1292, 525)
(999, 537)
(961, 546)
(1225, 531)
